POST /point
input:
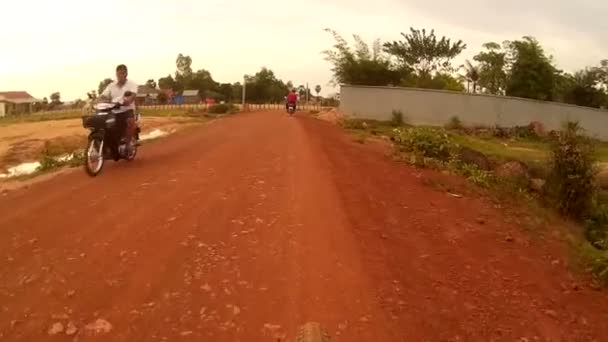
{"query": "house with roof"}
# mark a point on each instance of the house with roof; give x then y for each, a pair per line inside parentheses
(146, 95)
(191, 96)
(16, 102)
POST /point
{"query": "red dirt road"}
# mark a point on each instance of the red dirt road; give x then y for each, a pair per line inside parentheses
(250, 226)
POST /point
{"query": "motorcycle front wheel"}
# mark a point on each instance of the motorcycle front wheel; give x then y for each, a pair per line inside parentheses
(312, 332)
(93, 159)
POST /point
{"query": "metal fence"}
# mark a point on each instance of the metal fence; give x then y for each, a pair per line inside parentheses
(198, 106)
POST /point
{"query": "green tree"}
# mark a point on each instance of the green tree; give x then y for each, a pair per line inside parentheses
(151, 84)
(531, 73)
(302, 92)
(237, 92)
(472, 75)
(584, 88)
(103, 85)
(360, 65)
(226, 90)
(167, 83)
(318, 89)
(424, 53)
(202, 81)
(264, 86)
(184, 65)
(55, 98)
(492, 75)
(162, 98)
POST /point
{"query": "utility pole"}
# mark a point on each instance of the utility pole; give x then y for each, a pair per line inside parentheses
(306, 92)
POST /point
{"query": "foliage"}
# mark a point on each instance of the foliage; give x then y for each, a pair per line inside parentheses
(597, 261)
(225, 89)
(361, 65)
(317, 89)
(532, 74)
(167, 83)
(397, 118)
(472, 74)
(223, 108)
(454, 124)
(571, 183)
(443, 81)
(425, 141)
(596, 227)
(474, 174)
(492, 75)
(55, 98)
(424, 53)
(151, 84)
(583, 88)
(162, 98)
(103, 85)
(264, 86)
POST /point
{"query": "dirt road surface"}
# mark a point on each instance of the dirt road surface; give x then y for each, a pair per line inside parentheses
(250, 226)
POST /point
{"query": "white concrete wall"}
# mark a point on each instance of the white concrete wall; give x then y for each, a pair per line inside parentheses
(2, 109)
(436, 107)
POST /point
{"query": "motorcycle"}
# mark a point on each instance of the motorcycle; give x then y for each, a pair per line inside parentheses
(105, 142)
(291, 108)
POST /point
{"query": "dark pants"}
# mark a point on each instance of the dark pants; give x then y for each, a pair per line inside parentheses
(121, 122)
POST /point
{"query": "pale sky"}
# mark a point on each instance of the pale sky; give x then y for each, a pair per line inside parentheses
(71, 45)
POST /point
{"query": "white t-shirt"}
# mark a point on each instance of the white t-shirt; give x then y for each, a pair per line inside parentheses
(116, 93)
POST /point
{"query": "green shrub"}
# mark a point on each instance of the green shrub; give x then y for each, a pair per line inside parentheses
(571, 183)
(354, 124)
(424, 141)
(454, 124)
(397, 118)
(48, 163)
(475, 174)
(596, 227)
(222, 108)
(597, 261)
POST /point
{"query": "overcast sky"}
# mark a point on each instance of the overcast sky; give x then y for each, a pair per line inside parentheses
(70, 45)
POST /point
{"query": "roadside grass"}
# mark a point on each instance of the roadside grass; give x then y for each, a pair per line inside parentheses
(47, 116)
(50, 156)
(76, 114)
(533, 211)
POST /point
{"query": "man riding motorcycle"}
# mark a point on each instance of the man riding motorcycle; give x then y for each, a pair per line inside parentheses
(123, 91)
(292, 98)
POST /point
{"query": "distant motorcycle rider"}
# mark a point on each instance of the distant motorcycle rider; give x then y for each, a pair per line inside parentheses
(123, 91)
(292, 98)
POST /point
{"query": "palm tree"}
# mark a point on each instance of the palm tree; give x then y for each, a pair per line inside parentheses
(472, 74)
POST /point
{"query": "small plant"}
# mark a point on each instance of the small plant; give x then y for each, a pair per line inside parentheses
(48, 163)
(475, 174)
(597, 262)
(454, 124)
(571, 184)
(426, 142)
(596, 227)
(397, 118)
(354, 124)
(222, 108)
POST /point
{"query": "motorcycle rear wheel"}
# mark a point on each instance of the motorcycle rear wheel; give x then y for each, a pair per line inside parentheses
(133, 153)
(93, 158)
